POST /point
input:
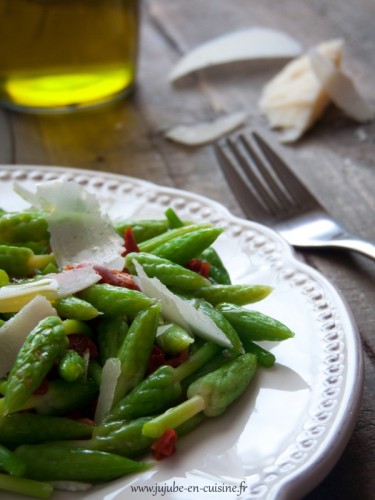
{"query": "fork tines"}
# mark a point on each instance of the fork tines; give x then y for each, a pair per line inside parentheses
(264, 184)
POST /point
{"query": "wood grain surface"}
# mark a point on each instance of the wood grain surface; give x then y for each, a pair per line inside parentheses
(336, 158)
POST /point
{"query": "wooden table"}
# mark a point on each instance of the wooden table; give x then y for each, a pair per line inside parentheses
(336, 159)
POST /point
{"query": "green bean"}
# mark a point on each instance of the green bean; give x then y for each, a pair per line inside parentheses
(234, 294)
(135, 350)
(74, 308)
(169, 273)
(264, 357)
(72, 366)
(254, 325)
(142, 229)
(44, 344)
(31, 428)
(37, 489)
(173, 339)
(11, 463)
(220, 321)
(183, 248)
(4, 278)
(21, 261)
(173, 219)
(210, 394)
(53, 462)
(72, 326)
(24, 228)
(111, 333)
(115, 300)
(151, 244)
(218, 272)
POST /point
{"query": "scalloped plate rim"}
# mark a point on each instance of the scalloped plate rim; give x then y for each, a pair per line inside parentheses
(303, 479)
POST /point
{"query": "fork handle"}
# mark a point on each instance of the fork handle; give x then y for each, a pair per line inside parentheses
(358, 245)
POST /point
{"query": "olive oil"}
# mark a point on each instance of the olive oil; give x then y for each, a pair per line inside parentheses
(63, 54)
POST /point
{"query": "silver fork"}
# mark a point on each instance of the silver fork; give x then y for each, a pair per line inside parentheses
(269, 192)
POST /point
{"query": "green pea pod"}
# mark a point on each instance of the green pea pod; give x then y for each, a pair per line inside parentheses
(170, 274)
(37, 489)
(122, 437)
(74, 308)
(254, 325)
(222, 386)
(11, 463)
(20, 228)
(218, 272)
(60, 398)
(173, 339)
(220, 321)
(30, 428)
(72, 366)
(135, 350)
(115, 300)
(187, 246)
(152, 395)
(234, 294)
(44, 344)
(111, 333)
(53, 462)
(142, 229)
(210, 394)
(151, 244)
(21, 261)
(264, 357)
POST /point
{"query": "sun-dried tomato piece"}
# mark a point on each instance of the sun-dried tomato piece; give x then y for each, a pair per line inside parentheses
(164, 446)
(82, 343)
(180, 358)
(43, 388)
(130, 242)
(156, 359)
(116, 278)
(199, 266)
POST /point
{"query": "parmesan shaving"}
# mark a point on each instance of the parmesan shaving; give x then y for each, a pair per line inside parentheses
(202, 133)
(248, 44)
(110, 375)
(179, 311)
(80, 233)
(14, 332)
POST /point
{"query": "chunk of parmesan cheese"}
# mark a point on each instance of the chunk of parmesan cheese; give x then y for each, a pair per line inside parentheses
(294, 99)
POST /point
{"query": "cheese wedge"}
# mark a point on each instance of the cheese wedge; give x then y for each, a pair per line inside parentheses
(294, 99)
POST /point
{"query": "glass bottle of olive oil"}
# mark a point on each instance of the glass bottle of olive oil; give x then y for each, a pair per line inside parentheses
(66, 54)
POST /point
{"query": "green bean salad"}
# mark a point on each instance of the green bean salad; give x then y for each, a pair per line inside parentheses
(116, 340)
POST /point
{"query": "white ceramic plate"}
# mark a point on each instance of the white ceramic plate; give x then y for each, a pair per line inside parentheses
(288, 430)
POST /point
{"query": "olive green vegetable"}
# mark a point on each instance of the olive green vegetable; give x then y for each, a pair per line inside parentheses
(183, 248)
(28, 229)
(254, 325)
(210, 394)
(170, 274)
(37, 489)
(135, 350)
(142, 229)
(21, 261)
(44, 344)
(173, 339)
(11, 463)
(151, 244)
(111, 333)
(115, 300)
(30, 428)
(173, 219)
(74, 308)
(54, 462)
(218, 272)
(234, 294)
(264, 357)
(72, 366)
